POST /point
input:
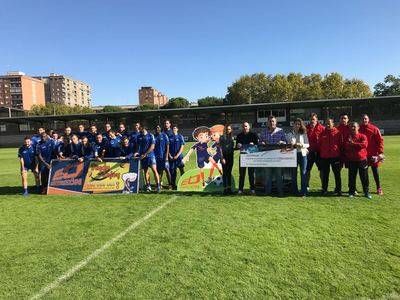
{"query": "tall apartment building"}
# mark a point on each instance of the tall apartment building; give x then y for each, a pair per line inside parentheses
(149, 95)
(65, 90)
(20, 91)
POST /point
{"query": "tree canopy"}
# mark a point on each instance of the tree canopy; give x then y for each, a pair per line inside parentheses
(389, 87)
(210, 101)
(178, 102)
(112, 108)
(58, 109)
(263, 88)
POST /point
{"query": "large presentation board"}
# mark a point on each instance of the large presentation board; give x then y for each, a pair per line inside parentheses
(269, 158)
(93, 177)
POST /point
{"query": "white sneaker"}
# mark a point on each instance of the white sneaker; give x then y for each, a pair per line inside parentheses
(240, 192)
(253, 192)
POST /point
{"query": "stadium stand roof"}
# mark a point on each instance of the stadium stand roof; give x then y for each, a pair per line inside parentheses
(200, 110)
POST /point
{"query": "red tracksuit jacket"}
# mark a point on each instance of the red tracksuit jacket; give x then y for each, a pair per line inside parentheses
(313, 134)
(357, 150)
(375, 140)
(330, 143)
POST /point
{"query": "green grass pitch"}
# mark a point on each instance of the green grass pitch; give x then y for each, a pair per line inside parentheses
(202, 246)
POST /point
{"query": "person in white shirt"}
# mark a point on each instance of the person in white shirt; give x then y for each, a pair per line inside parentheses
(299, 140)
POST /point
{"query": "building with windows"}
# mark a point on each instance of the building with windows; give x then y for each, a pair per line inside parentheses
(65, 90)
(20, 91)
(149, 95)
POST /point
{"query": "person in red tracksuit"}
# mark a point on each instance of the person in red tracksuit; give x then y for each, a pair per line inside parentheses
(356, 156)
(344, 129)
(374, 150)
(330, 149)
(314, 130)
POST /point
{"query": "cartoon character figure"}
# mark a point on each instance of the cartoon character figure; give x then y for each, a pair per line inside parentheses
(202, 136)
(215, 149)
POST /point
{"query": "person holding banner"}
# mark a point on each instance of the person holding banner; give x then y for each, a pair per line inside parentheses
(375, 149)
(330, 151)
(244, 140)
(100, 147)
(273, 135)
(146, 143)
(44, 154)
(227, 144)
(127, 150)
(87, 150)
(161, 151)
(27, 159)
(175, 157)
(356, 156)
(299, 140)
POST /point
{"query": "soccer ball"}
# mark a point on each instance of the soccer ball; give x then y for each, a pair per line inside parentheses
(218, 181)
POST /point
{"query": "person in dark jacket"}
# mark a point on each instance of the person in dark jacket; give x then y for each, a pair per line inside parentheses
(356, 156)
(227, 145)
(244, 140)
(330, 149)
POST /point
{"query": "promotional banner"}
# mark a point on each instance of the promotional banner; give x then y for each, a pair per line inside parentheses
(207, 176)
(271, 158)
(88, 177)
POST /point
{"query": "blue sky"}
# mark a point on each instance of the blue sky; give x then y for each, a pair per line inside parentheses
(196, 48)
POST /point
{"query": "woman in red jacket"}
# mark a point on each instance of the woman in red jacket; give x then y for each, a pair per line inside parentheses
(374, 150)
(356, 155)
(330, 143)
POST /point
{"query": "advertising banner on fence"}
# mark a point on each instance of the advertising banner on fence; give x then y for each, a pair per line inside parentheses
(270, 158)
(89, 177)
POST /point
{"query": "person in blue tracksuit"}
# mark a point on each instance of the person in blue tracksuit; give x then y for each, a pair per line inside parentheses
(74, 149)
(161, 151)
(87, 150)
(27, 159)
(100, 147)
(146, 144)
(176, 144)
(44, 154)
(133, 136)
(127, 150)
(114, 145)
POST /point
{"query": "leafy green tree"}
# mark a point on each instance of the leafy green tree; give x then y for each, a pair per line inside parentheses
(280, 89)
(147, 106)
(296, 86)
(58, 109)
(312, 87)
(249, 89)
(210, 101)
(178, 102)
(112, 108)
(389, 87)
(355, 88)
(332, 86)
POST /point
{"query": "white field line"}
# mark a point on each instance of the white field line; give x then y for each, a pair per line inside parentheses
(67, 275)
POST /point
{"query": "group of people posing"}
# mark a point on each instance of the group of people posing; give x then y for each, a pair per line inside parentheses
(159, 152)
(356, 147)
(350, 144)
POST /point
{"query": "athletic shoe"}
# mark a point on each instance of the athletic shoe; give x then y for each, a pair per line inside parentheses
(338, 193)
(158, 189)
(351, 196)
(368, 196)
(253, 192)
(379, 192)
(355, 193)
(324, 193)
(148, 188)
(240, 192)
(25, 194)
